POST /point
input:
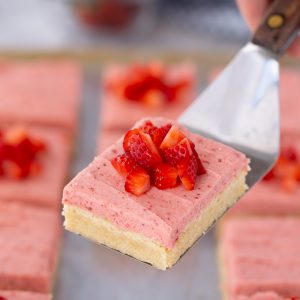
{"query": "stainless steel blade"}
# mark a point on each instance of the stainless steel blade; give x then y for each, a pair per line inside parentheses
(241, 108)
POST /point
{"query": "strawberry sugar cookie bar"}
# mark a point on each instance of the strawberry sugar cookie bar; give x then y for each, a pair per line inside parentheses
(134, 91)
(155, 192)
(260, 254)
(29, 239)
(40, 92)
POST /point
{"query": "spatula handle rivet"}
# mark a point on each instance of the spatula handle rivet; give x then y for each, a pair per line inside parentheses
(275, 21)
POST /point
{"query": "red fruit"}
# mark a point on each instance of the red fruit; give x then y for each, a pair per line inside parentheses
(141, 148)
(187, 171)
(123, 164)
(179, 152)
(290, 154)
(201, 170)
(137, 181)
(148, 127)
(158, 134)
(165, 176)
(173, 137)
(128, 138)
(270, 175)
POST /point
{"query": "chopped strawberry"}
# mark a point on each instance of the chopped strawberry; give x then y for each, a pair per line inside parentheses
(154, 98)
(158, 134)
(18, 154)
(270, 175)
(187, 171)
(165, 176)
(123, 163)
(201, 170)
(289, 153)
(141, 148)
(178, 152)
(173, 137)
(137, 181)
(148, 127)
(128, 138)
(289, 183)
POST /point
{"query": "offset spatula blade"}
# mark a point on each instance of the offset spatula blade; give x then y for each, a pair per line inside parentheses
(241, 108)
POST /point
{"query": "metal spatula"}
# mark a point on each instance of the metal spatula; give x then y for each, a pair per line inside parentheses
(241, 107)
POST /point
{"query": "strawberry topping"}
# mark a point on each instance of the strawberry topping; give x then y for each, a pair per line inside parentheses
(158, 155)
(123, 163)
(165, 176)
(19, 154)
(137, 181)
(286, 170)
(142, 148)
(148, 84)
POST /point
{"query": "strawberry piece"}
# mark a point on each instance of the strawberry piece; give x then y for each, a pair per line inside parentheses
(137, 181)
(186, 162)
(289, 183)
(154, 98)
(178, 152)
(165, 176)
(141, 148)
(123, 163)
(128, 138)
(201, 170)
(173, 137)
(148, 127)
(158, 134)
(270, 175)
(290, 154)
(187, 171)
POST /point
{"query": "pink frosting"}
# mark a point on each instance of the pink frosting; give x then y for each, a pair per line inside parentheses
(160, 215)
(21, 295)
(40, 92)
(268, 197)
(29, 239)
(261, 254)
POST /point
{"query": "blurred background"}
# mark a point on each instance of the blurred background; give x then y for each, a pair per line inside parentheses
(73, 25)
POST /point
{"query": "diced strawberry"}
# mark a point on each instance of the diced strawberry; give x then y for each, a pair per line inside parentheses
(187, 171)
(148, 127)
(165, 176)
(154, 98)
(201, 170)
(158, 134)
(141, 148)
(173, 137)
(289, 153)
(289, 183)
(123, 163)
(178, 152)
(15, 135)
(128, 138)
(270, 175)
(137, 181)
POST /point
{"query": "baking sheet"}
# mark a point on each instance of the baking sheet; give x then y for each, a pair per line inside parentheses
(90, 271)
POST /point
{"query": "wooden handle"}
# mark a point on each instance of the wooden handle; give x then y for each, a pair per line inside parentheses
(279, 27)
